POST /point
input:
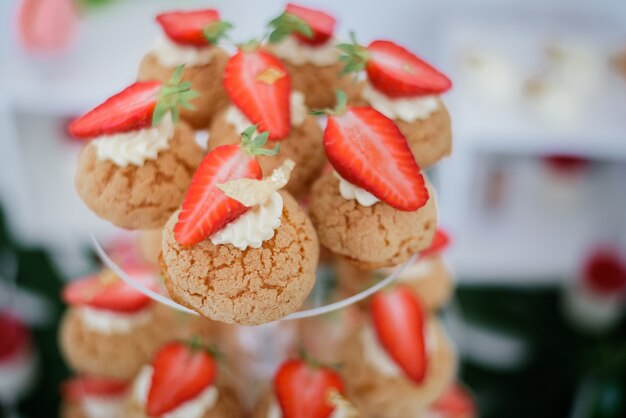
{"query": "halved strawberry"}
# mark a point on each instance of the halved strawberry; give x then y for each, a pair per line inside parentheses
(605, 272)
(399, 73)
(456, 402)
(191, 27)
(181, 372)
(440, 242)
(79, 387)
(393, 69)
(322, 24)
(15, 336)
(399, 321)
(206, 209)
(303, 387)
(259, 85)
(136, 107)
(108, 292)
(368, 150)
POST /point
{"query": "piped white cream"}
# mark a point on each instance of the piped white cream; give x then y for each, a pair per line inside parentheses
(171, 55)
(351, 192)
(109, 322)
(135, 147)
(299, 53)
(405, 109)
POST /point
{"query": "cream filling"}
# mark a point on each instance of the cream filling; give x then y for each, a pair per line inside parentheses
(299, 53)
(240, 122)
(109, 322)
(253, 227)
(405, 109)
(351, 192)
(103, 406)
(135, 147)
(193, 408)
(275, 412)
(170, 54)
(376, 356)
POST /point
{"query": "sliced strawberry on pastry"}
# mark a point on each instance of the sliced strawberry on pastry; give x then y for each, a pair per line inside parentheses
(138, 106)
(206, 208)
(303, 388)
(81, 387)
(106, 291)
(197, 28)
(393, 69)
(399, 320)
(456, 402)
(259, 85)
(322, 24)
(368, 150)
(181, 371)
(440, 242)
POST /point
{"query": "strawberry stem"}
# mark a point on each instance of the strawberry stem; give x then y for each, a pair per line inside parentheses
(214, 32)
(255, 145)
(340, 108)
(174, 94)
(249, 46)
(315, 363)
(195, 343)
(354, 56)
(287, 24)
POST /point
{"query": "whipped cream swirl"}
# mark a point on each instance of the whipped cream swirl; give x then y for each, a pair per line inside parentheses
(240, 122)
(351, 192)
(103, 406)
(405, 109)
(135, 147)
(253, 227)
(171, 55)
(109, 322)
(193, 408)
(300, 53)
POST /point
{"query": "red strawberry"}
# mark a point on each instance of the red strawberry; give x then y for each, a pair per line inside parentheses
(322, 24)
(456, 402)
(128, 110)
(109, 292)
(187, 27)
(15, 336)
(77, 388)
(367, 149)
(440, 242)
(399, 73)
(303, 387)
(206, 209)
(181, 372)
(258, 84)
(399, 320)
(138, 106)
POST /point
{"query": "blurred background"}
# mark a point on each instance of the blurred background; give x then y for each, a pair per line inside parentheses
(534, 194)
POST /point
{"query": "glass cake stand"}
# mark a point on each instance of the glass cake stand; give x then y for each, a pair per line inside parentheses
(322, 299)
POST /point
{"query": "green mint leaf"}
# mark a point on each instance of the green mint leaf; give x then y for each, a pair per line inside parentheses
(215, 31)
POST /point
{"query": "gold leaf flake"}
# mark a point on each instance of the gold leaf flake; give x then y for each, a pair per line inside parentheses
(250, 192)
(342, 404)
(270, 75)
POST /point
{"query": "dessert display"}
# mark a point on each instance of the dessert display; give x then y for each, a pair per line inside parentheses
(374, 209)
(240, 250)
(181, 381)
(237, 230)
(400, 361)
(111, 329)
(404, 88)
(190, 38)
(139, 159)
(306, 388)
(260, 89)
(93, 397)
(304, 39)
(428, 276)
